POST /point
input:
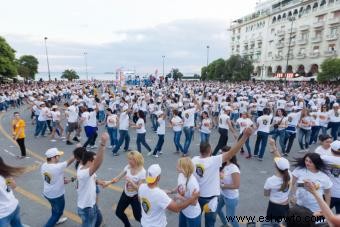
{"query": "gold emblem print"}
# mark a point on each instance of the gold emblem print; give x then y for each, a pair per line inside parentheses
(145, 205)
(47, 177)
(200, 170)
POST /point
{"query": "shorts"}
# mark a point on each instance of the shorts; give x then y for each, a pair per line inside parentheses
(72, 126)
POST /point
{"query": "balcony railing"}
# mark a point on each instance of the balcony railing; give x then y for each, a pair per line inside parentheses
(292, 43)
(314, 54)
(300, 56)
(278, 57)
(291, 30)
(332, 37)
(316, 39)
(334, 20)
(279, 45)
(318, 24)
(330, 53)
(304, 27)
(302, 41)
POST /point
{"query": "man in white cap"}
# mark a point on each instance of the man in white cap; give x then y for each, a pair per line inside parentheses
(123, 131)
(154, 201)
(160, 132)
(333, 163)
(334, 121)
(52, 173)
(293, 119)
(72, 121)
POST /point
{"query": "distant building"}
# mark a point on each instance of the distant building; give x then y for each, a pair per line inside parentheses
(311, 28)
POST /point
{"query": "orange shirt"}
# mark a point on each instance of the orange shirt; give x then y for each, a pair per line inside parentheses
(17, 125)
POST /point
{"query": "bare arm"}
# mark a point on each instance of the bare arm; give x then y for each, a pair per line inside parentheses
(100, 154)
(177, 207)
(235, 184)
(273, 148)
(70, 161)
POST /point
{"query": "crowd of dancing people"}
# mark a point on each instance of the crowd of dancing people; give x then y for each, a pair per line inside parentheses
(271, 112)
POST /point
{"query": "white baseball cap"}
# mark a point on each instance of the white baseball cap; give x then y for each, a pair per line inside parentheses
(125, 108)
(153, 172)
(281, 163)
(335, 145)
(52, 152)
(335, 104)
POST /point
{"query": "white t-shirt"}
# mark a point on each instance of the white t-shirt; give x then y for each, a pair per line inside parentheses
(333, 166)
(222, 121)
(227, 171)
(305, 198)
(72, 112)
(334, 116)
(8, 203)
(130, 191)
(123, 121)
(53, 176)
(205, 126)
(92, 120)
(85, 118)
(177, 123)
(280, 104)
(112, 121)
(323, 118)
(154, 202)
(86, 188)
(161, 127)
(273, 184)
(322, 151)
(244, 123)
(207, 174)
(55, 115)
(141, 123)
(189, 117)
(264, 123)
(186, 187)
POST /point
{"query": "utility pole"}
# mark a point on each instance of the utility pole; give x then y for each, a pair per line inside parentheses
(48, 63)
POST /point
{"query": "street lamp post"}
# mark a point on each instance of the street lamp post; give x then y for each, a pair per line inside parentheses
(163, 65)
(48, 63)
(263, 72)
(208, 55)
(291, 19)
(85, 58)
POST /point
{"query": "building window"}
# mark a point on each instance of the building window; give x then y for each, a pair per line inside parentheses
(320, 18)
(295, 12)
(278, 18)
(302, 51)
(308, 8)
(270, 54)
(316, 49)
(315, 6)
(323, 2)
(331, 47)
(274, 20)
(334, 31)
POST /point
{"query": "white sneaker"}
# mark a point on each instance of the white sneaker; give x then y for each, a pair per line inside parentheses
(26, 225)
(161, 152)
(150, 153)
(156, 156)
(63, 137)
(53, 140)
(109, 147)
(93, 147)
(61, 220)
(302, 151)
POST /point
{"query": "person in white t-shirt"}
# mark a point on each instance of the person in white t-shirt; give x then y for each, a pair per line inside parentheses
(123, 130)
(230, 184)
(245, 122)
(277, 187)
(86, 185)
(310, 167)
(263, 127)
(41, 122)
(325, 145)
(91, 128)
(177, 123)
(111, 125)
(9, 205)
(141, 131)
(155, 201)
(207, 175)
(160, 132)
(56, 118)
(71, 113)
(205, 127)
(323, 119)
(305, 130)
(334, 120)
(52, 173)
(134, 174)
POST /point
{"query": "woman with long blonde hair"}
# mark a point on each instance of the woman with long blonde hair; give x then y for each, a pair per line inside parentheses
(135, 175)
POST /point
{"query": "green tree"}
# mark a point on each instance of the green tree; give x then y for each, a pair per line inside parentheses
(330, 70)
(176, 74)
(70, 75)
(8, 66)
(204, 72)
(28, 66)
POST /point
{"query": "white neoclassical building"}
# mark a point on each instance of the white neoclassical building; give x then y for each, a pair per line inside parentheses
(288, 37)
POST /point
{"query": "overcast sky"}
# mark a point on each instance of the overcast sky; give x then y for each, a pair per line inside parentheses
(133, 34)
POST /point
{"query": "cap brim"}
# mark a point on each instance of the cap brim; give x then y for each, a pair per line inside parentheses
(150, 180)
(60, 153)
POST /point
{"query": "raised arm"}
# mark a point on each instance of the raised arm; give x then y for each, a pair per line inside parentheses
(100, 154)
(273, 148)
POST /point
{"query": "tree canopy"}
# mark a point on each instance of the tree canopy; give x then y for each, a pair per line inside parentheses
(70, 75)
(28, 66)
(175, 74)
(8, 67)
(330, 70)
(236, 68)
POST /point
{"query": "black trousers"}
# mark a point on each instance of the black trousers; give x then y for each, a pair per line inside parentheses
(123, 203)
(222, 141)
(21, 143)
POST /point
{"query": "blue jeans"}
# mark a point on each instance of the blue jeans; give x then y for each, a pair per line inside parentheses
(314, 135)
(334, 126)
(324, 130)
(188, 132)
(123, 135)
(12, 220)
(113, 135)
(40, 128)
(231, 205)
(281, 134)
(234, 116)
(153, 118)
(205, 137)
(58, 205)
(246, 143)
(189, 222)
(140, 141)
(262, 138)
(90, 216)
(210, 218)
(101, 115)
(159, 144)
(177, 141)
(304, 133)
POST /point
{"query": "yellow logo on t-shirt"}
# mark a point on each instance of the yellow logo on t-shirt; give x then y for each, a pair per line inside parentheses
(200, 170)
(265, 122)
(145, 205)
(47, 177)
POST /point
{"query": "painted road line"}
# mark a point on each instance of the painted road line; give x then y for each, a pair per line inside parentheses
(43, 159)
(44, 203)
(10, 153)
